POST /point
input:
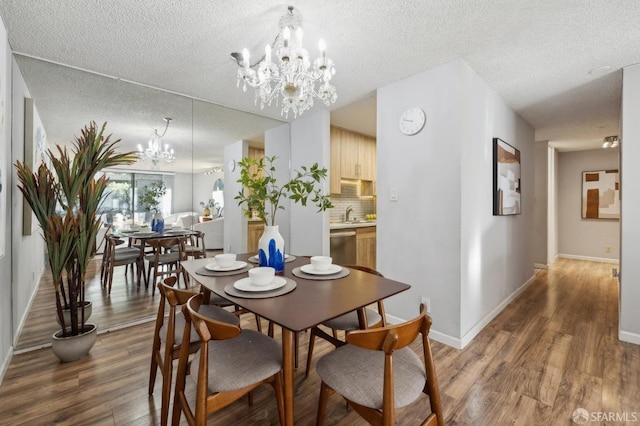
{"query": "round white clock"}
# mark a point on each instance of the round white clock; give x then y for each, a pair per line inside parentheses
(232, 165)
(412, 121)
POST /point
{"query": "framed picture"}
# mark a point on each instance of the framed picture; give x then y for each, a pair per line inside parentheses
(506, 179)
(601, 194)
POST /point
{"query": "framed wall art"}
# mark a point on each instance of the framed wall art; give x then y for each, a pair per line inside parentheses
(506, 179)
(601, 194)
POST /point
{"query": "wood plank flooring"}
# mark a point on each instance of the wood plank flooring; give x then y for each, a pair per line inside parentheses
(552, 350)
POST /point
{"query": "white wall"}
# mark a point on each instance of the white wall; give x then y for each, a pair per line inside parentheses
(552, 209)
(235, 224)
(277, 143)
(496, 251)
(629, 326)
(540, 183)
(440, 235)
(202, 188)
(577, 237)
(28, 261)
(183, 193)
(6, 313)
(310, 143)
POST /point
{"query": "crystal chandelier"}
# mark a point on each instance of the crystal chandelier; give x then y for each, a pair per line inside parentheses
(155, 152)
(291, 76)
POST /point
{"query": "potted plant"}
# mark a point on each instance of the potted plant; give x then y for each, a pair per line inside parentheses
(65, 200)
(207, 207)
(261, 196)
(149, 199)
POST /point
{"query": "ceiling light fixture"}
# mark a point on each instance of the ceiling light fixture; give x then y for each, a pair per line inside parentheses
(214, 170)
(611, 142)
(291, 75)
(156, 152)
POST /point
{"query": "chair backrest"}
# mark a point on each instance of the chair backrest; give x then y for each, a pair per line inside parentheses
(197, 240)
(381, 310)
(159, 245)
(207, 328)
(393, 337)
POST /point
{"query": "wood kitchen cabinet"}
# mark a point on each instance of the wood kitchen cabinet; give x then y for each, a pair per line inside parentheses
(254, 232)
(353, 156)
(366, 246)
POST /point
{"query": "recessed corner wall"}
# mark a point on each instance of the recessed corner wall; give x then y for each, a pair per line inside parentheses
(440, 235)
(629, 328)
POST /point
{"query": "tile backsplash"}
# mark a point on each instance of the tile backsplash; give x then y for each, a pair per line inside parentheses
(349, 197)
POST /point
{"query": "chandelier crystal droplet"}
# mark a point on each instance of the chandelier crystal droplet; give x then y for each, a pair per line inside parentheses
(289, 75)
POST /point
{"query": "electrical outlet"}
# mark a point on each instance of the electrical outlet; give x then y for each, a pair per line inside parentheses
(427, 303)
(607, 249)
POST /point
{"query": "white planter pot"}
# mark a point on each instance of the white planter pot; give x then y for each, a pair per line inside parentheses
(73, 348)
(88, 309)
(271, 248)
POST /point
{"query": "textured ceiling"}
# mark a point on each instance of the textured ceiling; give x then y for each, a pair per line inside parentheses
(536, 54)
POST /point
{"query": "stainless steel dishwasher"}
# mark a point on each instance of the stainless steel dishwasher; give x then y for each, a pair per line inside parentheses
(342, 244)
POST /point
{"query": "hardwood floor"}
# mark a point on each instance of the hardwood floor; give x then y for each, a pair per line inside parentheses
(127, 304)
(551, 351)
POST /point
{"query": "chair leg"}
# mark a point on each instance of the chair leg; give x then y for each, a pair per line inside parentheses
(325, 392)
(278, 384)
(166, 390)
(312, 340)
(258, 324)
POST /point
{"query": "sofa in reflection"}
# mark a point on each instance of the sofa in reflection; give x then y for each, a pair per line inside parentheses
(213, 233)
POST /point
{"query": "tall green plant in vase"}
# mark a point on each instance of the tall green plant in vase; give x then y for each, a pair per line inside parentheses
(262, 193)
(65, 200)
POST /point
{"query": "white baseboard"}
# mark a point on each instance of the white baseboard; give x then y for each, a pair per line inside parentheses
(5, 364)
(467, 338)
(629, 337)
(23, 320)
(541, 266)
(589, 258)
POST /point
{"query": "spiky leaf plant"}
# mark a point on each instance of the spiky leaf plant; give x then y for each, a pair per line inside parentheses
(65, 200)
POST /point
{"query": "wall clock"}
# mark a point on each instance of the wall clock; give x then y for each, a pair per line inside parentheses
(412, 121)
(232, 165)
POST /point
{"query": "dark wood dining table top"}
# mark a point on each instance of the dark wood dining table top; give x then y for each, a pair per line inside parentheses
(312, 301)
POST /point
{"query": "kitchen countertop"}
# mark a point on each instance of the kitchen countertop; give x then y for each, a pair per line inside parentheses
(346, 225)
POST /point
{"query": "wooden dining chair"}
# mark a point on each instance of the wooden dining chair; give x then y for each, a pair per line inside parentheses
(347, 322)
(195, 248)
(115, 255)
(230, 363)
(167, 338)
(166, 259)
(377, 373)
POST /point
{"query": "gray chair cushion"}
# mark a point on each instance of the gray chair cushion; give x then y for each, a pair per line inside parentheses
(210, 311)
(128, 254)
(358, 375)
(349, 321)
(241, 361)
(164, 258)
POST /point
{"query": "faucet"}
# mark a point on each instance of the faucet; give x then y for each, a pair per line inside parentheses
(349, 210)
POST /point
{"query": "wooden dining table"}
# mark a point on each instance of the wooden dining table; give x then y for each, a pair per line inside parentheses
(310, 303)
(145, 234)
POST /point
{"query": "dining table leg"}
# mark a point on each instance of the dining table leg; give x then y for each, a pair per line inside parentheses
(287, 367)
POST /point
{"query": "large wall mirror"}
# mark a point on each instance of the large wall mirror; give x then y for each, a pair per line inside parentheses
(67, 99)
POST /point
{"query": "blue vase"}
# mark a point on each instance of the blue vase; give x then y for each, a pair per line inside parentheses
(271, 248)
(157, 224)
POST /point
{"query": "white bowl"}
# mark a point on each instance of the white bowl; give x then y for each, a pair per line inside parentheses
(262, 276)
(225, 260)
(321, 263)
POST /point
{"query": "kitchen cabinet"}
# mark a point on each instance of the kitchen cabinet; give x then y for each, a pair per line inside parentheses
(366, 246)
(353, 156)
(335, 170)
(254, 232)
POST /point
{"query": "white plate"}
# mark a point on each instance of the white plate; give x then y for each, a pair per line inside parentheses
(245, 284)
(213, 266)
(332, 269)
